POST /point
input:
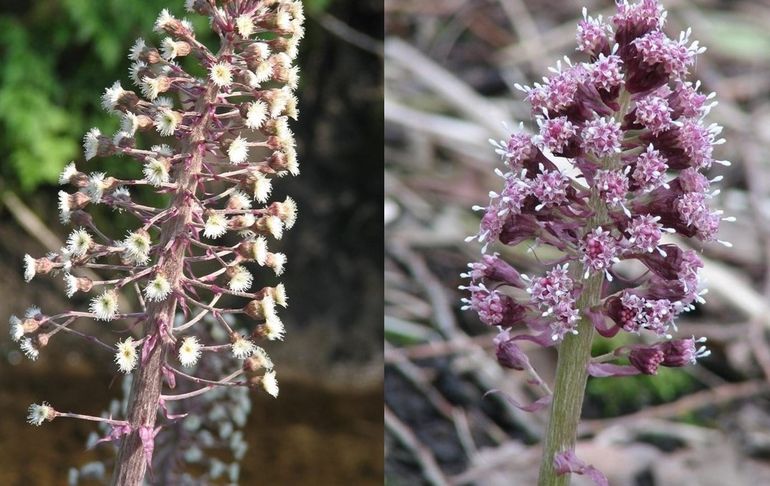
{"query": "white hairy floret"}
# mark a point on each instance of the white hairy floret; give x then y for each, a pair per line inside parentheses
(37, 414)
(238, 150)
(126, 357)
(105, 306)
(270, 383)
(111, 96)
(69, 171)
(245, 25)
(157, 289)
(29, 349)
(166, 121)
(136, 49)
(242, 348)
(221, 74)
(240, 279)
(155, 172)
(91, 143)
(256, 114)
(189, 351)
(137, 247)
(79, 242)
(29, 268)
(215, 226)
(274, 328)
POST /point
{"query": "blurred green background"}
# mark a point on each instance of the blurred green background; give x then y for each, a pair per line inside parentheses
(57, 58)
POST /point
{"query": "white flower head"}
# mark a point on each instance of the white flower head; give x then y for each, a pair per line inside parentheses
(221, 74)
(287, 211)
(91, 143)
(263, 308)
(66, 258)
(164, 19)
(156, 172)
(283, 20)
(238, 151)
(215, 226)
(79, 242)
(33, 312)
(259, 250)
(166, 121)
(169, 49)
(37, 414)
(279, 295)
(240, 279)
(129, 123)
(283, 132)
(69, 171)
(291, 160)
(293, 77)
(111, 96)
(263, 186)
(256, 114)
(245, 25)
(151, 87)
(137, 247)
(274, 328)
(65, 209)
(71, 282)
(263, 359)
(242, 348)
(163, 102)
(270, 383)
(276, 261)
(121, 194)
(262, 74)
(120, 136)
(163, 149)
(274, 226)
(158, 288)
(189, 351)
(16, 328)
(95, 187)
(105, 306)
(136, 49)
(291, 109)
(30, 268)
(279, 101)
(239, 200)
(126, 357)
(135, 71)
(29, 349)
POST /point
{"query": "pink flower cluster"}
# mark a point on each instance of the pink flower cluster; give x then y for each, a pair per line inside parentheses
(633, 130)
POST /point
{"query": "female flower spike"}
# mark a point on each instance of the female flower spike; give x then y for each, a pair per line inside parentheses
(228, 140)
(634, 130)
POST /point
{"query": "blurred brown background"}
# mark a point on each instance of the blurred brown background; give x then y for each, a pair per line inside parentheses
(450, 67)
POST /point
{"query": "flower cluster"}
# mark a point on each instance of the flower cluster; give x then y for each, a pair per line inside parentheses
(633, 130)
(222, 140)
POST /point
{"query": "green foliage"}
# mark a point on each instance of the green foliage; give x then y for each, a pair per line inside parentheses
(618, 395)
(58, 56)
(317, 6)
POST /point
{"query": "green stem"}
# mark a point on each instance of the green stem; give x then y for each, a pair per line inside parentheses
(575, 350)
(571, 370)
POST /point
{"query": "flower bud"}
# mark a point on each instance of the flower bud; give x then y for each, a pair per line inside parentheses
(508, 352)
(646, 359)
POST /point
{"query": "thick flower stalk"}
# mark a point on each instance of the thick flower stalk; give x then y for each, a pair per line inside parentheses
(226, 134)
(616, 165)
